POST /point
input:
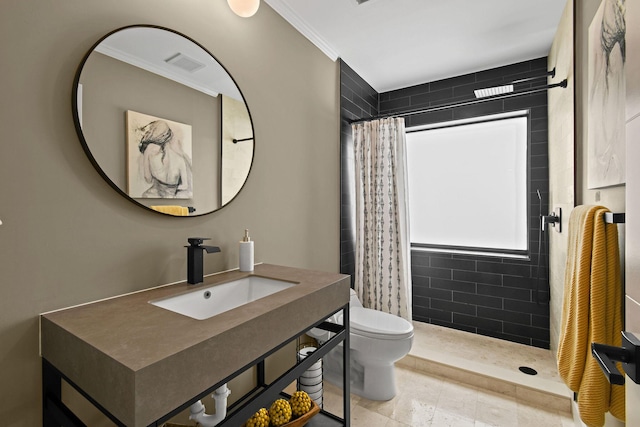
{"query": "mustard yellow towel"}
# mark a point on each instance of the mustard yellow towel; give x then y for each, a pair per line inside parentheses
(172, 210)
(591, 312)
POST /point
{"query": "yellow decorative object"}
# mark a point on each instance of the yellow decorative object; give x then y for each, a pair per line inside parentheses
(259, 419)
(297, 422)
(172, 210)
(300, 403)
(591, 313)
(280, 413)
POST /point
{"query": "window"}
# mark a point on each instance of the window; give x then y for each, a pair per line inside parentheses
(468, 184)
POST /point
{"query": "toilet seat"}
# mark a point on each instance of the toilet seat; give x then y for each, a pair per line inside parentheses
(377, 324)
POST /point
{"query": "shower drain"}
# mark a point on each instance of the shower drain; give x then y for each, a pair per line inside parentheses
(527, 370)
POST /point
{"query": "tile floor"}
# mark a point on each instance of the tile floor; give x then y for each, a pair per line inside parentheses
(426, 399)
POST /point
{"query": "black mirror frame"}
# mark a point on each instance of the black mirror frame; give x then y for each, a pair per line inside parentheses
(87, 150)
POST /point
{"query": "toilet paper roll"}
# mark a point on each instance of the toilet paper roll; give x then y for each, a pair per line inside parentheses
(313, 372)
(316, 397)
(310, 381)
(312, 389)
(303, 353)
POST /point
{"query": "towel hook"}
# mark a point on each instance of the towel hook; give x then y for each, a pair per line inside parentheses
(614, 218)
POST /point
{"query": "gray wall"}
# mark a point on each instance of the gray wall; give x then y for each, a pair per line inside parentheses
(68, 238)
(561, 164)
(569, 145)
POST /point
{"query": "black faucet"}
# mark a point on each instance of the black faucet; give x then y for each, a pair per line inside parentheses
(194, 258)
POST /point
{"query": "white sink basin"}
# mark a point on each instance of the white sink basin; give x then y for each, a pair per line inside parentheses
(208, 302)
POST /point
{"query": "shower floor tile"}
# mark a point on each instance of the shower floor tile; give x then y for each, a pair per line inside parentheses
(441, 344)
(489, 362)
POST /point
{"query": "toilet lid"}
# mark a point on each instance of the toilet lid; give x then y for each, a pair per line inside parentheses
(377, 324)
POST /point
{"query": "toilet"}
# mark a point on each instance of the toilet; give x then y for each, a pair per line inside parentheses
(377, 341)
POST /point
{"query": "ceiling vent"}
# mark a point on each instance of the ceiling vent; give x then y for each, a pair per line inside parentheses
(185, 63)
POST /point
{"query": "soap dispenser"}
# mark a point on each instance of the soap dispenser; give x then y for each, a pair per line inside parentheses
(246, 252)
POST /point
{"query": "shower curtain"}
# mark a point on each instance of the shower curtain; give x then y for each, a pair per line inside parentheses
(383, 257)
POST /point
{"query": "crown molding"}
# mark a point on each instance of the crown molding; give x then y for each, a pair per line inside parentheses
(283, 9)
(153, 68)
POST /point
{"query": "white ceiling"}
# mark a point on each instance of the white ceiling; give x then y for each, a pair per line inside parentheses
(394, 44)
(150, 48)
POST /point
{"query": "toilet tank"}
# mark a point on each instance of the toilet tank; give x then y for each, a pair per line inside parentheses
(353, 300)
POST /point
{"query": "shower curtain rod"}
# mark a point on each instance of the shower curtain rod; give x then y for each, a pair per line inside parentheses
(463, 103)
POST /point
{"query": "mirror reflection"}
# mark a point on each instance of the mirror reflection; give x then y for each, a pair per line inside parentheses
(163, 122)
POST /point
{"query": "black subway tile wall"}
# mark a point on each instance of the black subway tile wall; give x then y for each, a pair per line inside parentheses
(357, 100)
(487, 295)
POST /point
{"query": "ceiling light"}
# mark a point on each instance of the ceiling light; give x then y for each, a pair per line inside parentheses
(244, 8)
(491, 91)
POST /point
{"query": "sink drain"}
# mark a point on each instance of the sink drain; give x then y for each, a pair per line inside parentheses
(527, 370)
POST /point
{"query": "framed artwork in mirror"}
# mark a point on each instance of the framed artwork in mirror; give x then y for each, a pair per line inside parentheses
(159, 153)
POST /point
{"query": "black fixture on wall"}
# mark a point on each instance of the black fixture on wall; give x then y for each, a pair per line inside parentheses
(466, 103)
(488, 295)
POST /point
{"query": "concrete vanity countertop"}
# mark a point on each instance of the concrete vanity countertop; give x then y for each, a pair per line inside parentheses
(140, 361)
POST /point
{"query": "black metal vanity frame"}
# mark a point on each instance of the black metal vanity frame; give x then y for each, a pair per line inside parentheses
(56, 413)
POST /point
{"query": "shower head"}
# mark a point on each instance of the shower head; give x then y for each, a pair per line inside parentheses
(492, 91)
(540, 207)
(508, 88)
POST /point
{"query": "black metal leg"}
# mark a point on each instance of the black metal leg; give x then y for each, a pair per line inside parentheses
(51, 386)
(54, 412)
(346, 368)
(261, 374)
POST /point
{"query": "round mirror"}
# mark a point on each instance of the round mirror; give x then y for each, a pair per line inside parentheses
(162, 121)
